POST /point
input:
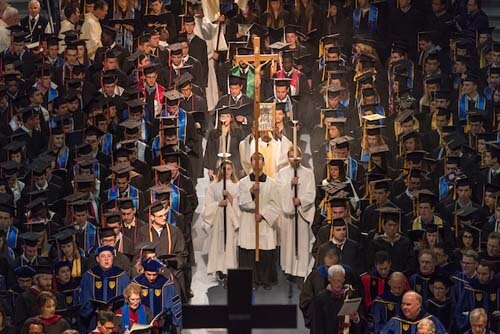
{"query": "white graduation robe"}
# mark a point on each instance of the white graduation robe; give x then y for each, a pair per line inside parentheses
(213, 222)
(290, 263)
(207, 31)
(269, 209)
(280, 153)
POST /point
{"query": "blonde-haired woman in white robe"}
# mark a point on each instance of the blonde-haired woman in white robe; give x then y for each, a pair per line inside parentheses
(220, 259)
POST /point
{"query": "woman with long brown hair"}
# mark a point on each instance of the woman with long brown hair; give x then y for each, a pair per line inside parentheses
(275, 16)
(124, 10)
(221, 220)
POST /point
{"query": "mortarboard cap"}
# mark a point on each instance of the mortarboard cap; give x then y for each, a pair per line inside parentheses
(24, 272)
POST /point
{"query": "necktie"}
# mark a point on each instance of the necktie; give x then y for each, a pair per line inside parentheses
(33, 21)
(471, 104)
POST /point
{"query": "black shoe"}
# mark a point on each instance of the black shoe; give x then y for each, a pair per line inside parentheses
(267, 287)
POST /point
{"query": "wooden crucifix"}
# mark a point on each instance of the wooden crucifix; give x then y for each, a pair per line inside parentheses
(239, 316)
(258, 61)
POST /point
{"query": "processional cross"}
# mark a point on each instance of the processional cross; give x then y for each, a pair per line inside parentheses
(239, 316)
(258, 61)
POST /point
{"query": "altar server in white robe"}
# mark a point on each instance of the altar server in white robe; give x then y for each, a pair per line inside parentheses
(292, 263)
(264, 271)
(273, 150)
(222, 257)
(213, 35)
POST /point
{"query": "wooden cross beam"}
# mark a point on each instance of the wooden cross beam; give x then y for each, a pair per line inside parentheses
(239, 316)
(257, 59)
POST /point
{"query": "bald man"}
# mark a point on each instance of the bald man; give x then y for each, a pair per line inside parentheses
(388, 304)
(412, 313)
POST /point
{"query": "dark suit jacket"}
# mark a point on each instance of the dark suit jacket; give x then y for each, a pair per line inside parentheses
(37, 30)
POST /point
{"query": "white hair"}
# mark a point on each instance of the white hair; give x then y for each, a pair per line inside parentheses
(428, 325)
(33, 2)
(9, 12)
(336, 269)
(478, 313)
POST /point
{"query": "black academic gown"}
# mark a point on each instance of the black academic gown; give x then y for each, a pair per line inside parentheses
(26, 305)
(370, 216)
(197, 71)
(121, 53)
(400, 251)
(350, 253)
(35, 143)
(442, 310)
(325, 307)
(211, 160)
(314, 284)
(198, 50)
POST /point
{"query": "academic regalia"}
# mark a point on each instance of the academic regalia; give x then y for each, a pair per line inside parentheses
(100, 285)
(264, 270)
(400, 251)
(291, 263)
(370, 218)
(171, 242)
(222, 249)
(350, 253)
(198, 50)
(442, 310)
(421, 284)
(26, 305)
(214, 146)
(401, 325)
(121, 53)
(366, 24)
(129, 317)
(183, 183)
(71, 293)
(161, 296)
(384, 308)
(373, 286)
(121, 260)
(35, 142)
(314, 284)
(326, 306)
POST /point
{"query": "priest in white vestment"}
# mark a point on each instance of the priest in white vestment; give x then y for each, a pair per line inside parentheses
(292, 263)
(222, 257)
(273, 150)
(264, 271)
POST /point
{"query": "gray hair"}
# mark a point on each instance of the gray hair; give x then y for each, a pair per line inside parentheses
(478, 313)
(336, 269)
(9, 13)
(427, 324)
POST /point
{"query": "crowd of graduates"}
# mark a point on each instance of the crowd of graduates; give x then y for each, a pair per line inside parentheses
(379, 161)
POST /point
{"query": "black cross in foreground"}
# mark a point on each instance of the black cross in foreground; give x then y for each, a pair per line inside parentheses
(239, 316)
